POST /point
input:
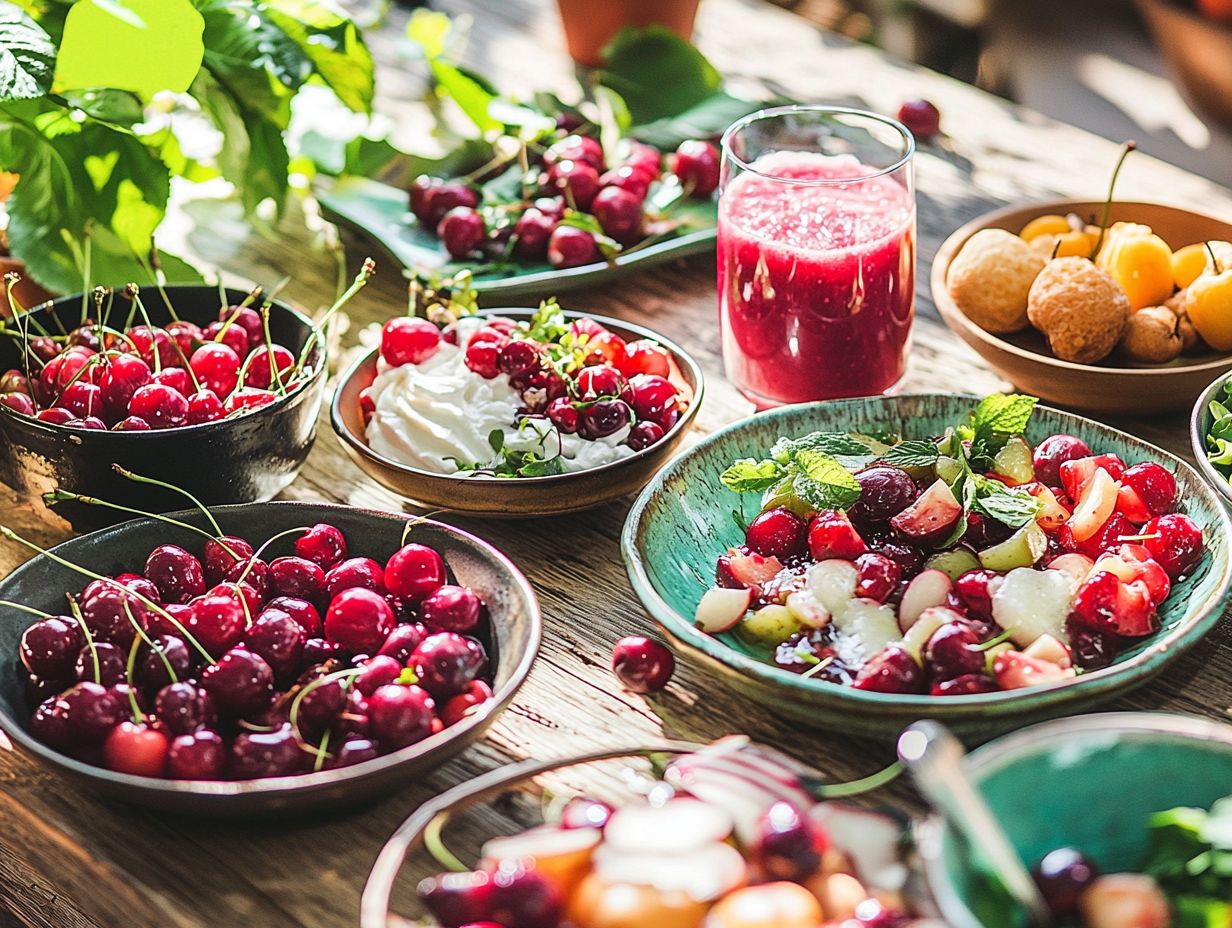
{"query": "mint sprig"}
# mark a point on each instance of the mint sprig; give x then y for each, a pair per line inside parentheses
(912, 454)
(798, 466)
(998, 418)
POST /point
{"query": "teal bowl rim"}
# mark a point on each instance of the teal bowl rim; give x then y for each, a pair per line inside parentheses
(1001, 752)
(1199, 423)
(1165, 649)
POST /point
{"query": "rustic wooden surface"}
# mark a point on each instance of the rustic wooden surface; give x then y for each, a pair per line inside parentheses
(69, 859)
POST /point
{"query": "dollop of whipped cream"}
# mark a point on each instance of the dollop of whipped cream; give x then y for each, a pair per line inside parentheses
(440, 413)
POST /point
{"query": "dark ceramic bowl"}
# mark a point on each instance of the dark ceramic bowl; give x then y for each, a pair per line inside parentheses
(230, 461)
(682, 521)
(512, 639)
(499, 497)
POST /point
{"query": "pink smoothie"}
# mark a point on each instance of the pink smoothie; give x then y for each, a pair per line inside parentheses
(816, 282)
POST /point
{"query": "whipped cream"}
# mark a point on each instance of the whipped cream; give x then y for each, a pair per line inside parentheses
(439, 413)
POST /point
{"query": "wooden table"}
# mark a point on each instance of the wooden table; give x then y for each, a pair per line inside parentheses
(69, 859)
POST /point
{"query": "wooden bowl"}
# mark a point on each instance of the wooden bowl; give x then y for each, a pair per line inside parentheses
(1198, 50)
(523, 497)
(1024, 358)
(512, 637)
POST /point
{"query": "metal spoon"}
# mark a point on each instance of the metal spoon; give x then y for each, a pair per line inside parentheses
(934, 757)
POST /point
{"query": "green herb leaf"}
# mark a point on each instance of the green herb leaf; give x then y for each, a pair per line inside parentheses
(332, 44)
(912, 454)
(998, 418)
(823, 482)
(496, 440)
(657, 73)
(27, 56)
(707, 119)
(839, 444)
(750, 476)
(1007, 505)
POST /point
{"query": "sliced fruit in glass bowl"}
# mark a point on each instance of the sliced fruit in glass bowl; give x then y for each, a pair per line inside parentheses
(975, 561)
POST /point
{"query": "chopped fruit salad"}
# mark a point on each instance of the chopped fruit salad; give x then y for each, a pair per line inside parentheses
(966, 563)
(223, 664)
(1185, 882)
(730, 838)
(115, 370)
(492, 396)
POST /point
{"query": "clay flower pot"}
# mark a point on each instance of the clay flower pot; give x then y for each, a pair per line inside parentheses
(590, 25)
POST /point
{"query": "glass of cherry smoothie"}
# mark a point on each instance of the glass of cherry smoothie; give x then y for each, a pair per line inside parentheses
(816, 253)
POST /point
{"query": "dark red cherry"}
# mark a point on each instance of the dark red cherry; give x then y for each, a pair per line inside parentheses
(451, 608)
(302, 611)
(322, 544)
(1063, 876)
(891, 670)
(570, 246)
(257, 754)
(198, 755)
(220, 554)
(160, 406)
(184, 708)
(642, 665)
(217, 621)
(777, 533)
(358, 620)
(355, 749)
(1054, 451)
(414, 571)
(49, 647)
(90, 711)
(531, 233)
(403, 641)
(176, 574)
(167, 660)
(241, 683)
(279, 639)
(696, 163)
(447, 662)
(105, 663)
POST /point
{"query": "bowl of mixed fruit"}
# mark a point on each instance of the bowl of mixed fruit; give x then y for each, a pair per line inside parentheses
(513, 412)
(1156, 857)
(216, 391)
(867, 562)
(731, 835)
(260, 657)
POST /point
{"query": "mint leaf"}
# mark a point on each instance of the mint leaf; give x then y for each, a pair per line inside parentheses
(1007, 505)
(912, 454)
(27, 56)
(836, 443)
(750, 476)
(998, 418)
(823, 482)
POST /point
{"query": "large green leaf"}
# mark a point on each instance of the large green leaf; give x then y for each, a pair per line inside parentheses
(27, 55)
(145, 46)
(707, 119)
(334, 46)
(658, 73)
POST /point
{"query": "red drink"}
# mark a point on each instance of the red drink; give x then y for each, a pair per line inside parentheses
(816, 273)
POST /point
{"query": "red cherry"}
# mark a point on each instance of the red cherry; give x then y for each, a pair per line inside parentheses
(518, 359)
(1155, 485)
(645, 434)
(204, 406)
(642, 665)
(645, 158)
(476, 694)
(831, 535)
(358, 620)
(696, 163)
(217, 621)
(482, 357)
(1054, 451)
(443, 197)
(258, 374)
(629, 178)
(323, 544)
(451, 608)
(1174, 541)
(1107, 537)
(891, 670)
(645, 357)
(220, 554)
(122, 376)
(199, 755)
(187, 335)
(599, 380)
(83, 399)
(564, 415)
(216, 367)
(301, 610)
(176, 378)
(575, 148)
(777, 533)
(248, 319)
(401, 715)
(974, 589)
(650, 396)
(413, 572)
(619, 213)
(241, 683)
(354, 573)
(160, 406)
(131, 424)
(248, 399)
(18, 402)
(570, 246)
(420, 193)
(233, 336)
(461, 231)
(531, 233)
(136, 749)
(408, 340)
(877, 576)
(922, 119)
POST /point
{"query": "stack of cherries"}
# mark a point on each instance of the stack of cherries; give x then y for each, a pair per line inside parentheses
(572, 178)
(147, 377)
(228, 666)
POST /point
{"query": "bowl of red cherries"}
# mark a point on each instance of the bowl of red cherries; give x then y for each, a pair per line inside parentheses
(260, 657)
(216, 391)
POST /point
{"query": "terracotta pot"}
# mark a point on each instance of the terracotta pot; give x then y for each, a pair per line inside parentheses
(591, 24)
(1199, 52)
(28, 293)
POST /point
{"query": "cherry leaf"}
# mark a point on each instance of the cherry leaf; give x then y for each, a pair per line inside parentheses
(27, 56)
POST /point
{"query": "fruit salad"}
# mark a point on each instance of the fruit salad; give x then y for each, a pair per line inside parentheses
(730, 838)
(966, 563)
(574, 204)
(117, 371)
(487, 395)
(225, 664)
(1183, 882)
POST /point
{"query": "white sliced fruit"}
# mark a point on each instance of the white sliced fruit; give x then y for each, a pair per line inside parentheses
(927, 589)
(1078, 566)
(721, 608)
(874, 625)
(677, 826)
(923, 628)
(1099, 499)
(1052, 514)
(1053, 650)
(953, 563)
(1030, 603)
(1022, 549)
(931, 517)
(768, 626)
(833, 583)
(703, 873)
(873, 842)
(807, 610)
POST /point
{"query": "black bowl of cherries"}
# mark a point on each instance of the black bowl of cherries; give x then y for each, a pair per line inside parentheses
(260, 657)
(213, 391)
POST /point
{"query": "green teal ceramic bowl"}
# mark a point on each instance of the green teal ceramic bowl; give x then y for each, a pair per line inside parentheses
(682, 521)
(1089, 782)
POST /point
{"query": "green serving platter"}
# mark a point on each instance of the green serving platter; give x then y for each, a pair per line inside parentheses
(1091, 783)
(683, 520)
(382, 213)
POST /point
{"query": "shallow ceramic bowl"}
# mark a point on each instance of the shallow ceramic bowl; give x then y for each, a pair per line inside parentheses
(1089, 782)
(1200, 422)
(1024, 358)
(501, 497)
(512, 639)
(683, 521)
(238, 460)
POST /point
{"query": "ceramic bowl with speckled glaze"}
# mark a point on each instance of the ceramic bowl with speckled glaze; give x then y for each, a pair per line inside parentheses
(683, 520)
(1153, 761)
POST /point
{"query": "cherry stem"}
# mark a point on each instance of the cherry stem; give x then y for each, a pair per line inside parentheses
(62, 496)
(159, 279)
(365, 273)
(153, 481)
(133, 292)
(435, 845)
(86, 273)
(419, 520)
(11, 280)
(275, 373)
(863, 785)
(20, 608)
(141, 633)
(75, 610)
(818, 667)
(993, 642)
(1214, 260)
(293, 712)
(137, 714)
(1103, 223)
(253, 295)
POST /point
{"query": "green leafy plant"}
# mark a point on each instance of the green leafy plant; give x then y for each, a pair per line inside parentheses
(98, 97)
